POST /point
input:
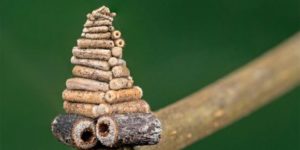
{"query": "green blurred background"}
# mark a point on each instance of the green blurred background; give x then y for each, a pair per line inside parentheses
(173, 48)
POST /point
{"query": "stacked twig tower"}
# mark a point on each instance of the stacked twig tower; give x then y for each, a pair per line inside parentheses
(101, 101)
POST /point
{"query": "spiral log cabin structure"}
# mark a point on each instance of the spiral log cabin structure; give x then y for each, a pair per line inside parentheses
(103, 106)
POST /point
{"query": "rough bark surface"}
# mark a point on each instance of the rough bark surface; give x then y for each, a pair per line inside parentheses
(113, 61)
(74, 130)
(102, 54)
(124, 95)
(230, 98)
(88, 110)
(86, 84)
(89, 43)
(91, 73)
(98, 64)
(89, 97)
(137, 106)
(128, 129)
(120, 83)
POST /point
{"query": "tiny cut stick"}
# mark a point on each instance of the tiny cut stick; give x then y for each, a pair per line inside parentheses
(89, 43)
(102, 9)
(99, 16)
(75, 130)
(120, 71)
(105, 10)
(86, 84)
(91, 73)
(117, 52)
(98, 64)
(102, 54)
(105, 35)
(137, 106)
(134, 93)
(104, 16)
(84, 96)
(113, 61)
(111, 28)
(95, 29)
(131, 107)
(94, 111)
(119, 42)
(91, 17)
(100, 13)
(103, 22)
(120, 83)
(116, 34)
(128, 129)
(88, 110)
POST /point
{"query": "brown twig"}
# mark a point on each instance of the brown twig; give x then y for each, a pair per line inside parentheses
(128, 129)
(230, 98)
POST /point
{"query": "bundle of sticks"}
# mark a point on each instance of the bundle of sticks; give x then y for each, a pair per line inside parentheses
(103, 106)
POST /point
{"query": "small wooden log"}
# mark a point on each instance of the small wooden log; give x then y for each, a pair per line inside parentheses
(91, 73)
(94, 36)
(124, 95)
(119, 42)
(99, 17)
(128, 129)
(88, 110)
(99, 64)
(89, 43)
(94, 111)
(111, 28)
(102, 9)
(75, 130)
(103, 22)
(131, 107)
(83, 96)
(116, 34)
(98, 13)
(113, 61)
(117, 52)
(89, 16)
(102, 54)
(104, 16)
(120, 83)
(96, 29)
(86, 84)
(120, 71)
(138, 106)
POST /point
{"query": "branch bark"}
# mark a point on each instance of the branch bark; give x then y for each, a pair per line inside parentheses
(230, 98)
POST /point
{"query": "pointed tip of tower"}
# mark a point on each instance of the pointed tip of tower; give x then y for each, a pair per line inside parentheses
(103, 9)
(101, 12)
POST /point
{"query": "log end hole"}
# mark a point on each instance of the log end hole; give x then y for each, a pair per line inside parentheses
(121, 43)
(103, 129)
(117, 34)
(87, 135)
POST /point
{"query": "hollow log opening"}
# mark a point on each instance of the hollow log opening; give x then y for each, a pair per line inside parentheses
(87, 135)
(106, 131)
(120, 43)
(103, 129)
(128, 129)
(75, 130)
(84, 134)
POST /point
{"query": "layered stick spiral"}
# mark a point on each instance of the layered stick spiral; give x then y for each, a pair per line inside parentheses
(102, 90)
